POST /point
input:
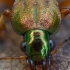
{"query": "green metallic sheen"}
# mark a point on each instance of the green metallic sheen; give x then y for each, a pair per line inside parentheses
(36, 14)
(37, 52)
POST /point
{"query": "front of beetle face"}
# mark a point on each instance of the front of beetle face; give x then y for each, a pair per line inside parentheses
(37, 44)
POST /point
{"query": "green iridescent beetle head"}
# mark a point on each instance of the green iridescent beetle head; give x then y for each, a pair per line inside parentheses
(37, 44)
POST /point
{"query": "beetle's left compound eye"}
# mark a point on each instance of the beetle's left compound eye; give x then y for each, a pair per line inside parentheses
(23, 46)
(52, 45)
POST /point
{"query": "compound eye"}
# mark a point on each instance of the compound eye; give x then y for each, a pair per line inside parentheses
(52, 45)
(23, 46)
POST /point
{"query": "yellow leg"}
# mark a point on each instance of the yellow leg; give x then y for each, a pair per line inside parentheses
(65, 12)
(2, 23)
(63, 4)
(7, 13)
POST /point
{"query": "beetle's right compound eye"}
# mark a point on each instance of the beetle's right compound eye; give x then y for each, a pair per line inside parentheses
(23, 46)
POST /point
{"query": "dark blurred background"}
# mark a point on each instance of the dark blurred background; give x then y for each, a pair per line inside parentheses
(10, 41)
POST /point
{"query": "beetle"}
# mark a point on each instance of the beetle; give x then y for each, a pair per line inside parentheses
(36, 20)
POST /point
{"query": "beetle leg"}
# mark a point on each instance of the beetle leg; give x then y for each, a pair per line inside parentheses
(59, 46)
(9, 3)
(7, 13)
(2, 23)
(65, 12)
(64, 3)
